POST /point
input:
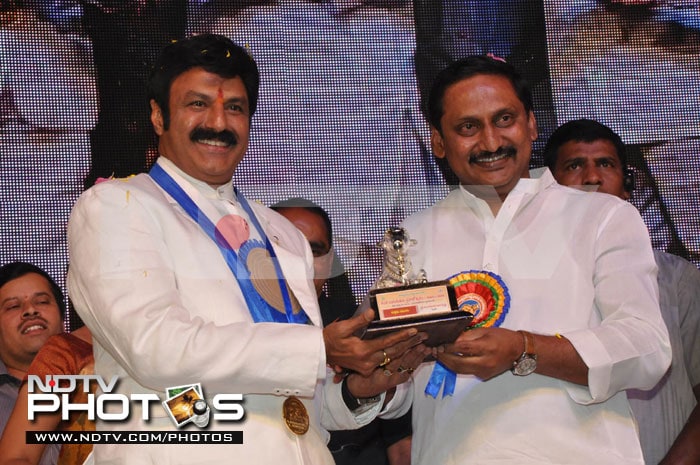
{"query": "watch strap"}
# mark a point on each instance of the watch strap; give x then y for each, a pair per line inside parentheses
(529, 340)
(353, 403)
(527, 362)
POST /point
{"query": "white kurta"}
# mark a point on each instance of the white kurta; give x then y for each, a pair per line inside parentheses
(165, 310)
(576, 263)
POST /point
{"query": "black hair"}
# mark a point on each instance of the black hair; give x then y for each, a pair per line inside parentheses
(338, 285)
(582, 130)
(14, 270)
(306, 204)
(213, 53)
(468, 67)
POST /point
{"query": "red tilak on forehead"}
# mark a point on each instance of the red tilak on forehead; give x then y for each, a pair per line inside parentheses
(220, 96)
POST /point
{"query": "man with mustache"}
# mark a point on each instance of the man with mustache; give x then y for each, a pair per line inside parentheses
(181, 280)
(544, 384)
(31, 310)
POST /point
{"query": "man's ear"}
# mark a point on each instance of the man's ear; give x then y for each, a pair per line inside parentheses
(157, 118)
(532, 126)
(437, 143)
(628, 183)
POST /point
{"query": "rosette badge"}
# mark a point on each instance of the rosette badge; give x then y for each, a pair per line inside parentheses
(483, 294)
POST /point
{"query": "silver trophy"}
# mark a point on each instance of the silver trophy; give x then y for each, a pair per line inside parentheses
(403, 298)
(398, 270)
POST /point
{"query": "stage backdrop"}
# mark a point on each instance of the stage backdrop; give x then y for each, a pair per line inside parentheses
(339, 118)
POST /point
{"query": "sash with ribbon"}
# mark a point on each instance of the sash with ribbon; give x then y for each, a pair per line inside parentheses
(259, 308)
(483, 294)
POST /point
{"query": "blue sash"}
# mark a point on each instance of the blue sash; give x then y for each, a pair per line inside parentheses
(259, 308)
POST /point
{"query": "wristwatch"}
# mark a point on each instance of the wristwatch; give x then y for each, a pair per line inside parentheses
(527, 362)
(355, 404)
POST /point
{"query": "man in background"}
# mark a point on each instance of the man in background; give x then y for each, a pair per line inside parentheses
(587, 154)
(382, 441)
(31, 310)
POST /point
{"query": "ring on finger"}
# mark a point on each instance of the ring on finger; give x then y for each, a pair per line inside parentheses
(401, 369)
(387, 372)
(386, 359)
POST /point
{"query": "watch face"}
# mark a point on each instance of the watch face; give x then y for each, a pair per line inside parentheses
(525, 365)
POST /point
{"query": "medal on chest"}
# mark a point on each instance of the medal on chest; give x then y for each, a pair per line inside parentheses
(261, 267)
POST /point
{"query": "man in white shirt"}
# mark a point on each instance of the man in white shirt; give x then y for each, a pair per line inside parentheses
(587, 154)
(182, 281)
(583, 324)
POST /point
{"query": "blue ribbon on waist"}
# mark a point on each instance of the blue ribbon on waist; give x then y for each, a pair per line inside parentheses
(441, 376)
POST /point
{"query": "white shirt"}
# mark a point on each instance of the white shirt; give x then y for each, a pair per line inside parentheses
(575, 263)
(662, 412)
(165, 310)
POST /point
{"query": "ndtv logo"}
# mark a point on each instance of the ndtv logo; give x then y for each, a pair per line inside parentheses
(185, 403)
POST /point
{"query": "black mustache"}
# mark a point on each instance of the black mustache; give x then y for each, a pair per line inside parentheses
(227, 137)
(508, 151)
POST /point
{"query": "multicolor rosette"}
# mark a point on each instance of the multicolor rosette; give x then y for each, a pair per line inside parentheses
(483, 294)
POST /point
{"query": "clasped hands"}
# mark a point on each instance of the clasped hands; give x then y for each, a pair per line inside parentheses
(375, 365)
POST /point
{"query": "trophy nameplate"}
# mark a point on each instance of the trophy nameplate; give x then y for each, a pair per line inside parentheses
(404, 299)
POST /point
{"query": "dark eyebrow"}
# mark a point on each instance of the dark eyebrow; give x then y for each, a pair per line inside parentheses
(34, 296)
(611, 160)
(2, 304)
(208, 98)
(506, 111)
(197, 95)
(569, 161)
(239, 100)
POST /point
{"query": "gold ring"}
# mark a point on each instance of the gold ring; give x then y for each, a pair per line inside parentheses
(401, 369)
(386, 360)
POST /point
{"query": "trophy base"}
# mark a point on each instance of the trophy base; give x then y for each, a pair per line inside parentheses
(442, 328)
(429, 307)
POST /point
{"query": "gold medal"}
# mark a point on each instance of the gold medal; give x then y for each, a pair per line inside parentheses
(262, 274)
(295, 415)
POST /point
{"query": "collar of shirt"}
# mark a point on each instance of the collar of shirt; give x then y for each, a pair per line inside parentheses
(6, 378)
(223, 192)
(222, 199)
(477, 196)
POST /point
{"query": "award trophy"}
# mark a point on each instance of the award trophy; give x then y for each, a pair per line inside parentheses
(403, 298)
